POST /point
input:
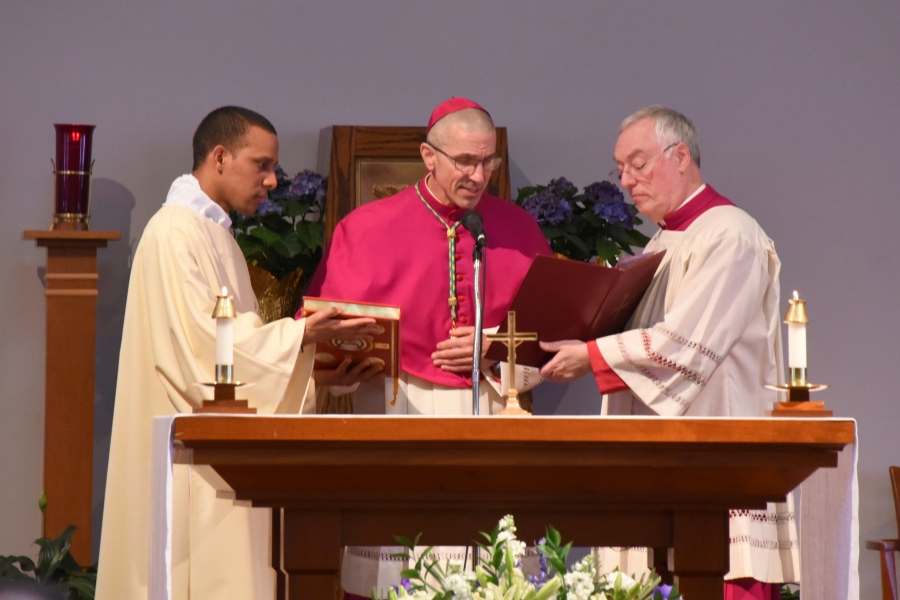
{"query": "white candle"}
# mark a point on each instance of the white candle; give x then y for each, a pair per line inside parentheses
(796, 342)
(224, 338)
(797, 345)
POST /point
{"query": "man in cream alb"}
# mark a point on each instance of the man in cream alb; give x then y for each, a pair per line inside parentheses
(185, 257)
(705, 339)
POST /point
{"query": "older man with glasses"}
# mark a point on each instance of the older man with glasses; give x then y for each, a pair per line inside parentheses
(409, 250)
(705, 339)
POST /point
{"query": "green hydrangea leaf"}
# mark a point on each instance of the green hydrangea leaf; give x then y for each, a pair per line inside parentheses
(250, 247)
(265, 235)
(289, 246)
(524, 193)
(293, 209)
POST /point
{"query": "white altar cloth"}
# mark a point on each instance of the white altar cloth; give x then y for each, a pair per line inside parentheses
(829, 516)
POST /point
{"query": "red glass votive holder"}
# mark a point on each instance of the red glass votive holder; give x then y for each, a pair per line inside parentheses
(73, 175)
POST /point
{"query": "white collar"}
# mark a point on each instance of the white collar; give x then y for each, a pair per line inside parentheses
(186, 192)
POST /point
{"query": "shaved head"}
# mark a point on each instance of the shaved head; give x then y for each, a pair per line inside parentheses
(468, 120)
(457, 155)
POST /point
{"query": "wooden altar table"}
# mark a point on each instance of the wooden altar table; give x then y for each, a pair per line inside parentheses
(655, 482)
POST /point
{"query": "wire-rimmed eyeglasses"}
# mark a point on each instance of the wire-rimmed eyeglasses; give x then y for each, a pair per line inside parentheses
(467, 164)
(637, 171)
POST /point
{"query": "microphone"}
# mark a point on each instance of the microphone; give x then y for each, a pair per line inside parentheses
(474, 224)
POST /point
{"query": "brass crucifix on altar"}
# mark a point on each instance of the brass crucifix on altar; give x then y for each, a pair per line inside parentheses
(511, 339)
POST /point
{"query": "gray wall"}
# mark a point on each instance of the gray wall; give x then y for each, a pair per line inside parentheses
(794, 103)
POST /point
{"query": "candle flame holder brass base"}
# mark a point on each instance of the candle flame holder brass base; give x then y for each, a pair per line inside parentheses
(798, 403)
(224, 400)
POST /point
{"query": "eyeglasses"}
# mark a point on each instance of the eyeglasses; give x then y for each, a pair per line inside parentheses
(637, 171)
(467, 165)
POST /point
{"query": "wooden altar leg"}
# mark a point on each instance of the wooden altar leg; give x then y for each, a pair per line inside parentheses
(658, 558)
(277, 562)
(700, 553)
(310, 554)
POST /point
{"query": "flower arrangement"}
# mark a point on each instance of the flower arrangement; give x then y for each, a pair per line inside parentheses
(596, 224)
(287, 231)
(499, 575)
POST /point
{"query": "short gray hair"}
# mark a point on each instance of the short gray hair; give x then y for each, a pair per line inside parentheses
(470, 119)
(672, 127)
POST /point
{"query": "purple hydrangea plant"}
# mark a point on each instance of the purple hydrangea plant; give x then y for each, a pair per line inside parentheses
(286, 233)
(268, 206)
(617, 212)
(308, 184)
(547, 208)
(595, 225)
(604, 191)
(609, 203)
(562, 187)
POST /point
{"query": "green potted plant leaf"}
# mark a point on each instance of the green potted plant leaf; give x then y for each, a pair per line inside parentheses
(55, 570)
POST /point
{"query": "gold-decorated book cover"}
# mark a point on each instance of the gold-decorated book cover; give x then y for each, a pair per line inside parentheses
(385, 346)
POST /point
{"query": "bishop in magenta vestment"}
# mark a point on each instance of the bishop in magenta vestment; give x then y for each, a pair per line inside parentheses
(394, 251)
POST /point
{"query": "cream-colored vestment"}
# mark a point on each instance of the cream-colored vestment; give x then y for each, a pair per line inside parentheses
(185, 257)
(705, 342)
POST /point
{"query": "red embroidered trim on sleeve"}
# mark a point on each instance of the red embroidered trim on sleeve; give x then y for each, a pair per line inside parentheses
(664, 389)
(693, 345)
(665, 362)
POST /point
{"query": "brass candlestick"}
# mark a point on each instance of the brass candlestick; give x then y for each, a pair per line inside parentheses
(224, 309)
(796, 316)
(798, 387)
(511, 339)
(224, 397)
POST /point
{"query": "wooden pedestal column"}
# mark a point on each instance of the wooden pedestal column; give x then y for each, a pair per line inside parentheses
(69, 389)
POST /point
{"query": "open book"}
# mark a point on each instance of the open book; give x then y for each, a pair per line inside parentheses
(563, 299)
(385, 346)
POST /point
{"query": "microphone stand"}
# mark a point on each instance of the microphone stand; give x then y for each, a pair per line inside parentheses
(477, 259)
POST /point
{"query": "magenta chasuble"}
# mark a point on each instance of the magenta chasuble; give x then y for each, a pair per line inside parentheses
(395, 251)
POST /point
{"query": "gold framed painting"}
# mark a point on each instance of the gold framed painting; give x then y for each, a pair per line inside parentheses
(368, 163)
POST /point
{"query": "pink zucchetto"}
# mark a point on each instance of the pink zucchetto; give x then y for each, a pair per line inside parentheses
(448, 107)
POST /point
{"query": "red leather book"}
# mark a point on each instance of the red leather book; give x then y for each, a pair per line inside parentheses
(563, 299)
(385, 346)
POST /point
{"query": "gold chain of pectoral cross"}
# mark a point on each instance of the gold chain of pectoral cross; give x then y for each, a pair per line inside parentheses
(451, 247)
